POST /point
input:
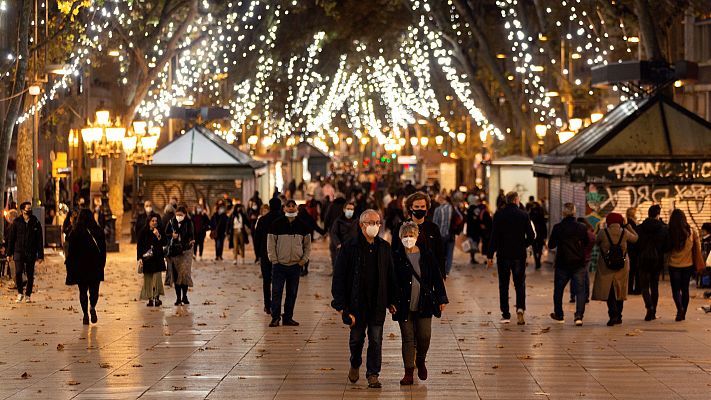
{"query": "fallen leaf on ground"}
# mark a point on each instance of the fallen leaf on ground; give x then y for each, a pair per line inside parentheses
(73, 383)
(60, 347)
(25, 375)
(447, 372)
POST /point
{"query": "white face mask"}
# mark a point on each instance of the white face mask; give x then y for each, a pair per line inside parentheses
(291, 214)
(349, 213)
(409, 242)
(180, 218)
(372, 230)
(149, 210)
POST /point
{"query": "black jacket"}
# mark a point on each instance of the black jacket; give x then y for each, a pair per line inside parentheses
(219, 223)
(147, 241)
(334, 211)
(429, 238)
(538, 217)
(431, 284)
(571, 238)
(262, 230)
(310, 222)
(142, 220)
(86, 255)
(345, 287)
(185, 231)
(511, 234)
(343, 230)
(25, 239)
(652, 233)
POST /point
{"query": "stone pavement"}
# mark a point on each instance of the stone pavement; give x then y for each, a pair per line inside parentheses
(220, 347)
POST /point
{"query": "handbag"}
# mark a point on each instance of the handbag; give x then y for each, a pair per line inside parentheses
(147, 255)
(140, 266)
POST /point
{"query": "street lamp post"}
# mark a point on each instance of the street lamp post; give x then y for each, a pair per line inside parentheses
(541, 134)
(103, 140)
(139, 145)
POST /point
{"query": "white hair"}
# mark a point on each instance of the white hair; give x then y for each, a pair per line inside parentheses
(409, 227)
(366, 213)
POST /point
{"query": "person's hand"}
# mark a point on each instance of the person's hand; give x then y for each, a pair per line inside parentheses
(392, 309)
(489, 262)
(442, 307)
(302, 263)
(140, 262)
(338, 247)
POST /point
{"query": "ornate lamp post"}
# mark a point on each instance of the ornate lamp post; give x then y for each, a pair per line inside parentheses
(103, 139)
(541, 134)
(139, 145)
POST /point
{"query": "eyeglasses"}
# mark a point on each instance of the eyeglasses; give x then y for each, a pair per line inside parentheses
(371, 223)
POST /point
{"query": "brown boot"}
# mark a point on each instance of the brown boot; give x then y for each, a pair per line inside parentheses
(408, 379)
(421, 370)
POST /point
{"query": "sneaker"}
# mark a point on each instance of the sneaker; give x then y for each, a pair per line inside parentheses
(519, 316)
(505, 318)
(274, 323)
(28, 299)
(19, 298)
(290, 322)
(557, 318)
(578, 322)
(353, 374)
(374, 382)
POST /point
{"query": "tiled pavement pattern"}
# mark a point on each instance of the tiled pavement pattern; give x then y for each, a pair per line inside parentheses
(220, 347)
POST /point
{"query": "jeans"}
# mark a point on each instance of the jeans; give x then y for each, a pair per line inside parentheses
(290, 275)
(537, 252)
(506, 268)
(679, 279)
(562, 276)
(448, 244)
(266, 267)
(199, 245)
(416, 334)
(219, 246)
(375, 346)
(28, 268)
(649, 285)
(93, 298)
(614, 306)
(585, 286)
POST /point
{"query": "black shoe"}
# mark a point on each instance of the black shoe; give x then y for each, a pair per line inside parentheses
(158, 303)
(274, 323)
(707, 295)
(650, 316)
(611, 322)
(185, 300)
(86, 320)
(150, 303)
(680, 316)
(614, 321)
(571, 301)
(557, 318)
(290, 322)
(178, 303)
(94, 318)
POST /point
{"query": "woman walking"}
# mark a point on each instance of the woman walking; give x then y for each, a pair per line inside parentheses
(613, 266)
(201, 224)
(238, 232)
(422, 295)
(685, 245)
(86, 259)
(152, 263)
(181, 240)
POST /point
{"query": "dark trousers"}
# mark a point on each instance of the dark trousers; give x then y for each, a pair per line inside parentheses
(585, 287)
(562, 276)
(537, 252)
(633, 282)
(93, 295)
(416, 334)
(219, 246)
(289, 275)
(679, 279)
(199, 245)
(506, 268)
(266, 267)
(448, 245)
(614, 306)
(649, 285)
(28, 268)
(375, 346)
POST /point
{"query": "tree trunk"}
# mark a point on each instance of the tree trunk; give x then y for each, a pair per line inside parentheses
(648, 31)
(15, 103)
(25, 161)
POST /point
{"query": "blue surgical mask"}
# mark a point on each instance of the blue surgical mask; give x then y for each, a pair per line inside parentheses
(348, 213)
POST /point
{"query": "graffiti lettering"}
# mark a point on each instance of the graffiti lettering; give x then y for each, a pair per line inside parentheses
(685, 170)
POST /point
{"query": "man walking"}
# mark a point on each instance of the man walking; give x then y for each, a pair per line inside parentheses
(363, 287)
(511, 235)
(288, 249)
(653, 242)
(443, 218)
(260, 249)
(570, 237)
(25, 247)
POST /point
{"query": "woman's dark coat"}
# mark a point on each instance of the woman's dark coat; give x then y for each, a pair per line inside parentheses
(86, 255)
(432, 284)
(147, 240)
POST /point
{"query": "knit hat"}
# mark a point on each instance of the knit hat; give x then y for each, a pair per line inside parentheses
(614, 218)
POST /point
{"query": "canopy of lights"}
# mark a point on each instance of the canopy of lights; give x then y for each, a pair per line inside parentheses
(368, 97)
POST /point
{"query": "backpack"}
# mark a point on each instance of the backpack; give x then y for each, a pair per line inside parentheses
(615, 257)
(456, 225)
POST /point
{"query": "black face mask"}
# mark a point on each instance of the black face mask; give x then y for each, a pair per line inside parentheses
(419, 214)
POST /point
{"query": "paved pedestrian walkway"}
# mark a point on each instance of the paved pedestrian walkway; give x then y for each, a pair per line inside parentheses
(220, 347)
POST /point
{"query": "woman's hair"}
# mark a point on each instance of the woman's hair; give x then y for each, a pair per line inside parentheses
(409, 227)
(85, 220)
(182, 209)
(148, 220)
(679, 229)
(631, 214)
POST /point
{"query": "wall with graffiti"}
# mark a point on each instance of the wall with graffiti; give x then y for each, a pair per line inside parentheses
(693, 199)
